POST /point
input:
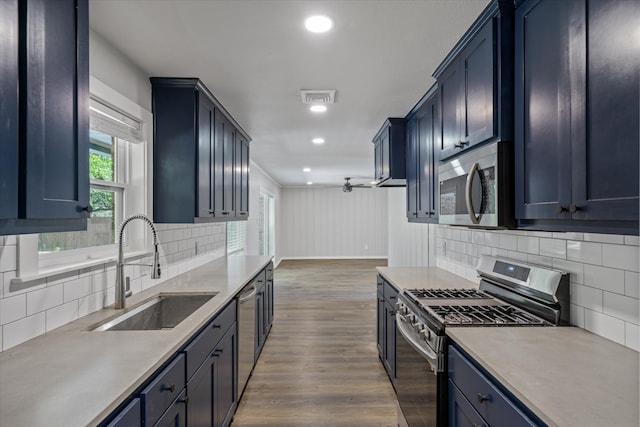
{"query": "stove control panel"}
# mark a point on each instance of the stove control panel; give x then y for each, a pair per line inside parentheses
(420, 329)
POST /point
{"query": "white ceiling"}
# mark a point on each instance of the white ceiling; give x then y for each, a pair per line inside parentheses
(255, 56)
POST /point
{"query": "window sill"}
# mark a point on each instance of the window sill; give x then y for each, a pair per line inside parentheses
(86, 264)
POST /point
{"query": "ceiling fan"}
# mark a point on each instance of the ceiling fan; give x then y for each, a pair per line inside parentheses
(348, 186)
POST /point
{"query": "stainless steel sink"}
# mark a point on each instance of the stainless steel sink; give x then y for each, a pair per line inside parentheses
(164, 311)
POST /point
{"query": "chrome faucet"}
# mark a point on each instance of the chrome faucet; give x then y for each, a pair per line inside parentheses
(155, 267)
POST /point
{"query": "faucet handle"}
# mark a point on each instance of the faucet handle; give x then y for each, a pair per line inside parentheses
(127, 287)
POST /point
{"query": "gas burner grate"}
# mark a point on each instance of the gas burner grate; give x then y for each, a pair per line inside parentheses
(447, 293)
(501, 315)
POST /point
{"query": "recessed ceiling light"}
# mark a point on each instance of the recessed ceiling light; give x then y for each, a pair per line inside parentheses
(306, 170)
(373, 182)
(318, 24)
(309, 182)
(318, 140)
(318, 108)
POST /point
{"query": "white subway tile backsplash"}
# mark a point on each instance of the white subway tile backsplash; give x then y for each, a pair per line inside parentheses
(555, 248)
(605, 326)
(621, 256)
(477, 237)
(622, 307)
(44, 299)
(632, 284)
(13, 308)
(586, 252)
(62, 315)
(568, 236)
(632, 336)
(77, 288)
(539, 260)
(23, 330)
(492, 239)
(608, 279)
(91, 303)
(508, 242)
(575, 269)
(577, 315)
(10, 240)
(7, 258)
(530, 245)
(587, 297)
(603, 238)
(632, 240)
(518, 256)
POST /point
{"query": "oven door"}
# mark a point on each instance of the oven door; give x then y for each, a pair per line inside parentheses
(420, 388)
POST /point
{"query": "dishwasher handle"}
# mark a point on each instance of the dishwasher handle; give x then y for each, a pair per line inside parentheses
(247, 295)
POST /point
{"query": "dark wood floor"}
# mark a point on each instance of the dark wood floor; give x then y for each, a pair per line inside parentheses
(320, 366)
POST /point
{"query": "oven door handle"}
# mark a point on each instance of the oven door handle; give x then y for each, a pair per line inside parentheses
(427, 353)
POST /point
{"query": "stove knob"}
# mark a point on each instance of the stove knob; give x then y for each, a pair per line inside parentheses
(418, 327)
(426, 334)
(412, 318)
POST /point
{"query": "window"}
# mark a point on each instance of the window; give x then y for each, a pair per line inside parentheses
(118, 173)
(236, 237)
(266, 224)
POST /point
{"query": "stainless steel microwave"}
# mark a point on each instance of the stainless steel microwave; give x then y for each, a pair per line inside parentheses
(476, 187)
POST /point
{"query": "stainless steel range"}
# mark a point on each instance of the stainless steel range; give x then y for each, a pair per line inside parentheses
(511, 293)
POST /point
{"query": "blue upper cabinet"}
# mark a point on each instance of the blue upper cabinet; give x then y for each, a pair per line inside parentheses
(44, 178)
(201, 155)
(9, 109)
(577, 112)
(475, 83)
(423, 142)
(390, 153)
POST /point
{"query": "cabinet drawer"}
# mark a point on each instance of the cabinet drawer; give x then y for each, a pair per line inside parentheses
(390, 294)
(461, 413)
(202, 345)
(176, 415)
(158, 395)
(129, 416)
(496, 408)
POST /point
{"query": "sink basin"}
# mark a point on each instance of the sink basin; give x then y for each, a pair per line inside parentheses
(164, 311)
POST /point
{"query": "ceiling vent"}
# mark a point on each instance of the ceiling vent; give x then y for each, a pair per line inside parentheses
(318, 96)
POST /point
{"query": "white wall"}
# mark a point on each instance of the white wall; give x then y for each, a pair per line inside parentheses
(328, 223)
(259, 181)
(605, 279)
(410, 244)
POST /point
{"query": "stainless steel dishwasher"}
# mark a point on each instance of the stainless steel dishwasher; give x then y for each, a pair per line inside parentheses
(246, 334)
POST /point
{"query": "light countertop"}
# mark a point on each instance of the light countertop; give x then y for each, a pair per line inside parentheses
(565, 375)
(73, 376)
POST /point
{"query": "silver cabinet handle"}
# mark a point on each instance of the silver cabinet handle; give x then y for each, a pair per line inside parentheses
(475, 218)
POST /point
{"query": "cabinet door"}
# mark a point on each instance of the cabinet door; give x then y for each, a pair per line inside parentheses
(218, 165)
(413, 162)
(378, 160)
(129, 416)
(461, 413)
(54, 91)
(542, 97)
(428, 141)
(200, 392)
(229, 161)
(390, 341)
(477, 68)
(9, 108)
(385, 156)
(259, 320)
(224, 392)
(605, 111)
(176, 415)
(381, 325)
(241, 177)
(449, 87)
(206, 126)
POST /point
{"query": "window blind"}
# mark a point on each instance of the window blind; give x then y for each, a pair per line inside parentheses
(236, 237)
(110, 121)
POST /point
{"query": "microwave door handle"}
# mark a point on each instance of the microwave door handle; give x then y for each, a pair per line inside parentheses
(475, 218)
(430, 356)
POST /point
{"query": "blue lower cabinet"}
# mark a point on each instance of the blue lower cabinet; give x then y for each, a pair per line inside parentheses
(176, 415)
(163, 391)
(224, 379)
(473, 394)
(130, 416)
(461, 413)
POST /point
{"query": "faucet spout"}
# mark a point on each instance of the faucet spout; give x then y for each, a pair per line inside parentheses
(120, 301)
